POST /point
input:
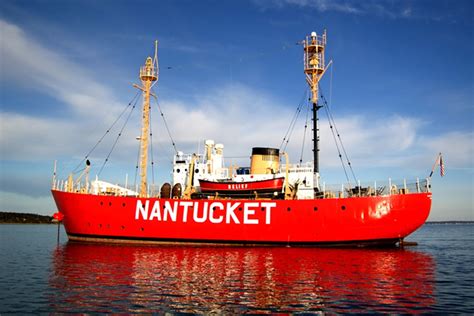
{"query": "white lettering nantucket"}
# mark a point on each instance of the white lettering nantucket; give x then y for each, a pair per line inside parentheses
(205, 212)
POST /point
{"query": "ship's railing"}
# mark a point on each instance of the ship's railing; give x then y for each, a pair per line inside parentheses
(188, 157)
(110, 189)
(298, 168)
(114, 189)
(375, 188)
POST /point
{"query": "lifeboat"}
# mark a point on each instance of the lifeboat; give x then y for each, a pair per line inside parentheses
(267, 187)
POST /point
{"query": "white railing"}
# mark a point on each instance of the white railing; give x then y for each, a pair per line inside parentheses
(375, 188)
(344, 190)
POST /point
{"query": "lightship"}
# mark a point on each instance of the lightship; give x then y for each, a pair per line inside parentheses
(272, 202)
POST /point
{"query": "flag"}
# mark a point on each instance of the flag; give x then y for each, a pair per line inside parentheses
(438, 162)
(441, 165)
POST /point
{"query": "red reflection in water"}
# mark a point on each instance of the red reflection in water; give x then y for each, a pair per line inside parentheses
(109, 278)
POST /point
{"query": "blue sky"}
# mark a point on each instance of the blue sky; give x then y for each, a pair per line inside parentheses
(401, 87)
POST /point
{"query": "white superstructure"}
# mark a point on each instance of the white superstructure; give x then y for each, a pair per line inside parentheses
(210, 166)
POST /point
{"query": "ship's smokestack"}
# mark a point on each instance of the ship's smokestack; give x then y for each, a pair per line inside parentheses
(265, 160)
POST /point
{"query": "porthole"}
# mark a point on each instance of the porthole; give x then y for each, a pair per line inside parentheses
(343, 208)
(288, 209)
(123, 227)
(123, 204)
(196, 171)
(110, 203)
(101, 203)
(315, 208)
(178, 170)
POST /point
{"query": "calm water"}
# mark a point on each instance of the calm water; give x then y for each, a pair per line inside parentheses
(39, 275)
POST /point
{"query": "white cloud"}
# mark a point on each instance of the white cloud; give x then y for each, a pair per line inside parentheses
(237, 115)
(457, 148)
(327, 5)
(381, 8)
(30, 64)
(34, 66)
(241, 117)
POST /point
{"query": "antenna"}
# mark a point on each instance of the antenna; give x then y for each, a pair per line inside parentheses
(155, 63)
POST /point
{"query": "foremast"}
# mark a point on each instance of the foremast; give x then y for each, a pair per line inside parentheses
(314, 69)
(148, 76)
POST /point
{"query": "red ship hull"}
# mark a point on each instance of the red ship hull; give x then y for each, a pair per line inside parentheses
(355, 220)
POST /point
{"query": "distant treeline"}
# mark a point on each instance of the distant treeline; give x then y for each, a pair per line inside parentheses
(451, 222)
(24, 218)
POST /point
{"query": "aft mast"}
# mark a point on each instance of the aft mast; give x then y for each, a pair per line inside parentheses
(148, 75)
(314, 64)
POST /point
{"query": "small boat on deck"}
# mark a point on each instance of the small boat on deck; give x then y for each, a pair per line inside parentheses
(271, 187)
(260, 180)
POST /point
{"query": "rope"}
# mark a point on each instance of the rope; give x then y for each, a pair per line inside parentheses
(134, 99)
(289, 132)
(138, 161)
(166, 124)
(116, 140)
(330, 86)
(337, 145)
(151, 149)
(332, 123)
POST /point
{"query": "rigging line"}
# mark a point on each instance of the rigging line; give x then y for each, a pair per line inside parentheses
(295, 116)
(116, 139)
(151, 149)
(304, 134)
(292, 129)
(330, 86)
(289, 127)
(134, 99)
(340, 139)
(166, 124)
(337, 145)
(136, 166)
(292, 126)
